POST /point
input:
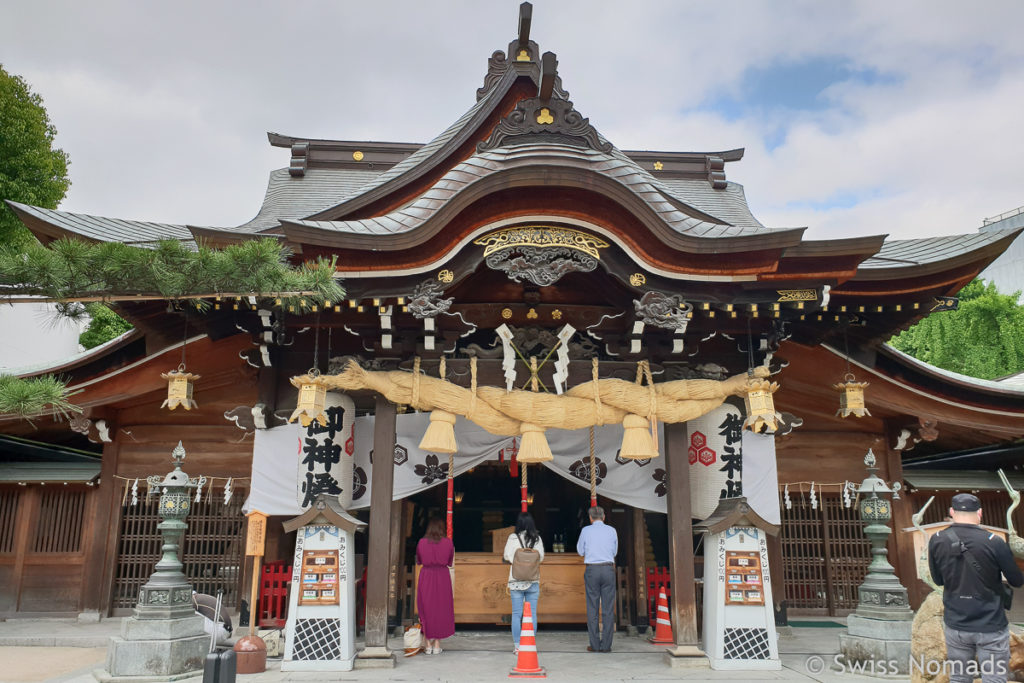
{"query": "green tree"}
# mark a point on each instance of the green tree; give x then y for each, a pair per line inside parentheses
(104, 325)
(984, 338)
(32, 171)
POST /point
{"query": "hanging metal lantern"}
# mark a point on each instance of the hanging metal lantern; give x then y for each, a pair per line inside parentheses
(312, 398)
(179, 389)
(851, 397)
(761, 415)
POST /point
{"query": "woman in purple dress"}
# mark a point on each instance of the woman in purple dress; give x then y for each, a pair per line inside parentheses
(434, 600)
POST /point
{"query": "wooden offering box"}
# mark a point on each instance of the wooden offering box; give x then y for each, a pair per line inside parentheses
(481, 589)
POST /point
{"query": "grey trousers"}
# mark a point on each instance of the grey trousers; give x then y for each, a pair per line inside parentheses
(599, 581)
(991, 649)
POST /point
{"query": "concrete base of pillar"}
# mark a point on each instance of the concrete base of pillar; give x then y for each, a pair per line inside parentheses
(876, 647)
(375, 658)
(167, 649)
(686, 657)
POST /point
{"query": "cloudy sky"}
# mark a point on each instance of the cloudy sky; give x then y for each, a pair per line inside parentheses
(857, 117)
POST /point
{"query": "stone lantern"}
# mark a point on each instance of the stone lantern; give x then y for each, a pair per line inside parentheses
(164, 638)
(879, 631)
(168, 594)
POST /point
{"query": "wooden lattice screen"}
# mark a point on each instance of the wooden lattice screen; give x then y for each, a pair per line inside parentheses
(824, 554)
(8, 508)
(213, 547)
(61, 515)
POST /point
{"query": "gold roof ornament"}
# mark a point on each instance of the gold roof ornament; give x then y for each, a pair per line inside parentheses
(179, 389)
(761, 415)
(312, 398)
(851, 397)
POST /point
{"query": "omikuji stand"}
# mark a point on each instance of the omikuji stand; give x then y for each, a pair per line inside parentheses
(739, 621)
(321, 628)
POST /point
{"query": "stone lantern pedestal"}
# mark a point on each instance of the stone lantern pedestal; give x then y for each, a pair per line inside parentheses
(877, 640)
(164, 640)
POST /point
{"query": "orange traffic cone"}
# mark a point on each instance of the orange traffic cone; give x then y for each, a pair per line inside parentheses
(663, 631)
(527, 665)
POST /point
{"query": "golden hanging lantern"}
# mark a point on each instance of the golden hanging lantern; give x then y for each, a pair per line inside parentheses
(851, 397)
(761, 415)
(179, 389)
(312, 397)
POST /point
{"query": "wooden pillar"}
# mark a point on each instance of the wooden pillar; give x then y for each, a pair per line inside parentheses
(111, 490)
(680, 545)
(638, 568)
(901, 543)
(26, 519)
(395, 557)
(379, 552)
(777, 571)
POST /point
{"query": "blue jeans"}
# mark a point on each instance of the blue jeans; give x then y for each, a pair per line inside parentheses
(518, 597)
(992, 651)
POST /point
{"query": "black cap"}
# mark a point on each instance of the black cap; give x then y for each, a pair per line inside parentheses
(966, 502)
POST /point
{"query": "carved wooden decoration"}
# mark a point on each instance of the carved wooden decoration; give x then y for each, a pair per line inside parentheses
(553, 120)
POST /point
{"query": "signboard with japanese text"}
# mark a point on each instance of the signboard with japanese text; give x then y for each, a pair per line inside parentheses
(256, 533)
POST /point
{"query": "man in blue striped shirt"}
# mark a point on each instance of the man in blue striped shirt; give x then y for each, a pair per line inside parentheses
(598, 544)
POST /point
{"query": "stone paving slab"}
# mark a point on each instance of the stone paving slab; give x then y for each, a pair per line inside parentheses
(468, 656)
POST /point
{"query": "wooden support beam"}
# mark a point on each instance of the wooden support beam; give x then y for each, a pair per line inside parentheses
(638, 569)
(525, 19)
(548, 71)
(110, 538)
(680, 545)
(102, 499)
(379, 552)
(901, 543)
(777, 571)
(395, 556)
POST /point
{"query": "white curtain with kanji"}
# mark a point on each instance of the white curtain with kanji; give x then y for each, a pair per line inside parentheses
(284, 484)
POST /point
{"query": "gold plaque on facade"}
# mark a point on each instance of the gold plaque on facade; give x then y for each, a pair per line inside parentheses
(540, 236)
(357, 155)
(545, 117)
(506, 313)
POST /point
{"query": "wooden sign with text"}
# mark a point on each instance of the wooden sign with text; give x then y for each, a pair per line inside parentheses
(256, 534)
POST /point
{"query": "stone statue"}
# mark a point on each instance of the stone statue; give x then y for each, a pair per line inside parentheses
(1015, 542)
(922, 562)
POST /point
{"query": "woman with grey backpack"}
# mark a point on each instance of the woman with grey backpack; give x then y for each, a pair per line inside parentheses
(525, 550)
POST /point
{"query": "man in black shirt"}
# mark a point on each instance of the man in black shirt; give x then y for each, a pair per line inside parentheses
(969, 562)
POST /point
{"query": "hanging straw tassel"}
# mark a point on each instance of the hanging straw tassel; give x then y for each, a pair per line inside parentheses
(440, 434)
(534, 446)
(637, 443)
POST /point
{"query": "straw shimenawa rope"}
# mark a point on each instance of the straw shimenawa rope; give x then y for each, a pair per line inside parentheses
(606, 401)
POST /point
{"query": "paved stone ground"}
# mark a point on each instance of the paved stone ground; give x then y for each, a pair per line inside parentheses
(43, 650)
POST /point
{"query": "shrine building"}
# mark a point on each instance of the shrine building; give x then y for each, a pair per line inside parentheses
(518, 252)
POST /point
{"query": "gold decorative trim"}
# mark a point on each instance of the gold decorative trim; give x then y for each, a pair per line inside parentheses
(445, 276)
(357, 155)
(537, 236)
(638, 279)
(658, 165)
(798, 294)
(506, 313)
(556, 314)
